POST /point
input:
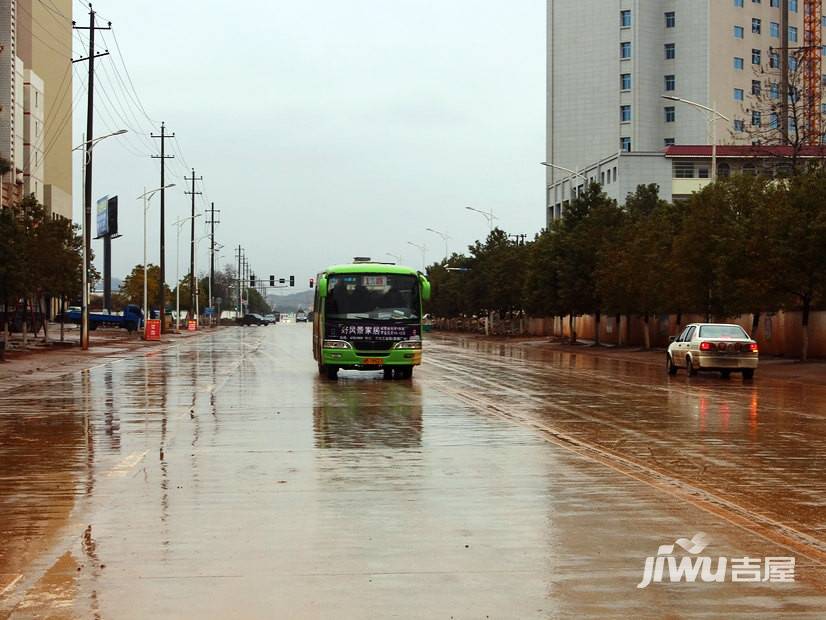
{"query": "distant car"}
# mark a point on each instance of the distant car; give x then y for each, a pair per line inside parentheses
(300, 317)
(270, 319)
(721, 347)
(253, 319)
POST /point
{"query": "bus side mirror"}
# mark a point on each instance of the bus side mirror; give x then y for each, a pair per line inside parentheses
(322, 287)
(425, 287)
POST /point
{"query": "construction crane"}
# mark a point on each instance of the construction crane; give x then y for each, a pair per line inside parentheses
(812, 68)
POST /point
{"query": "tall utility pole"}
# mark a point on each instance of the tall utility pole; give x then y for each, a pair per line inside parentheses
(192, 283)
(163, 157)
(239, 280)
(87, 182)
(211, 221)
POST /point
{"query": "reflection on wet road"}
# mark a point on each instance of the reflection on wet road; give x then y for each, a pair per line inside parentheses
(223, 478)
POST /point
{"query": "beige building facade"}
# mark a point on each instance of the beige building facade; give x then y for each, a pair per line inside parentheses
(610, 62)
(33, 136)
(36, 102)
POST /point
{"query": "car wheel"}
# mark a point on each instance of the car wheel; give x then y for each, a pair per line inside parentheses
(669, 364)
(748, 373)
(689, 366)
(332, 372)
(405, 372)
(388, 372)
(725, 374)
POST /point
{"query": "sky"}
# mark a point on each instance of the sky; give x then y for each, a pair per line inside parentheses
(323, 130)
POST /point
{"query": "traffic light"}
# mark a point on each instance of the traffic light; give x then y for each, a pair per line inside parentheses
(292, 280)
(252, 280)
(312, 283)
(272, 280)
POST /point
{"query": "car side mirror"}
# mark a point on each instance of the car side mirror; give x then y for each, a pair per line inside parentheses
(672, 339)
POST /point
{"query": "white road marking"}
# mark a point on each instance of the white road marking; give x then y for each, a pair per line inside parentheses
(11, 584)
(126, 465)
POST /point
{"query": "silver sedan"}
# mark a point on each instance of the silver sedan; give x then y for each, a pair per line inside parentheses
(722, 347)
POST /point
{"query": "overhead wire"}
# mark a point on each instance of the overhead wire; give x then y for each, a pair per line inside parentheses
(67, 117)
(62, 91)
(67, 51)
(131, 82)
(127, 106)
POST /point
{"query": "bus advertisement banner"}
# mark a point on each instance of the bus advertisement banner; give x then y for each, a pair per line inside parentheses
(373, 331)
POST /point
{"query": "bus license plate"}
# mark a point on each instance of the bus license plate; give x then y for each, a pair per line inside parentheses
(373, 361)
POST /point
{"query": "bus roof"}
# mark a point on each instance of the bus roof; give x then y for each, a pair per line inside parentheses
(371, 268)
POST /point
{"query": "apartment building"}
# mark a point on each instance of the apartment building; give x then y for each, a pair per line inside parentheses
(36, 102)
(33, 135)
(610, 62)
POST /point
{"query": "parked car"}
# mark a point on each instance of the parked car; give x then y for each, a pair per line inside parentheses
(721, 347)
(270, 319)
(253, 319)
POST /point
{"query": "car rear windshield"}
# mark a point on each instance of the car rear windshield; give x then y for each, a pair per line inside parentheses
(722, 331)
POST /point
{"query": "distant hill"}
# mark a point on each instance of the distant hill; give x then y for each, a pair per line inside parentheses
(292, 302)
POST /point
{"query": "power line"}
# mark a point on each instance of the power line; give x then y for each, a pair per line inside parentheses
(62, 91)
(131, 82)
(67, 117)
(53, 10)
(65, 52)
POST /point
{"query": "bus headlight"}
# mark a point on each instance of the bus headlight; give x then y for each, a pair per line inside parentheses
(336, 344)
(408, 344)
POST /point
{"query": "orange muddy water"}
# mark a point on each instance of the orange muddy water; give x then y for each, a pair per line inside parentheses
(223, 478)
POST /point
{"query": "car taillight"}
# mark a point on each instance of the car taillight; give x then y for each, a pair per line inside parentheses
(706, 346)
(752, 347)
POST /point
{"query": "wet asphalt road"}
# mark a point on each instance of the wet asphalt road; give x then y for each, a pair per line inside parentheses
(222, 478)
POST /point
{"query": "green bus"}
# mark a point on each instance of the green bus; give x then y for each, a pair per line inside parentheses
(368, 316)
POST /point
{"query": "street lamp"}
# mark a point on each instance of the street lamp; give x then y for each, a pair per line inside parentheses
(195, 278)
(423, 249)
(147, 197)
(214, 247)
(179, 223)
(397, 257)
(444, 237)
(564, 169)
(572, 173)
(489, 216)
(714, 115)
(86, 230)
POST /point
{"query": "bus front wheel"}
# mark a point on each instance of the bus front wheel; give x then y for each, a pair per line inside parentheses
(332, 372)
(405, 372)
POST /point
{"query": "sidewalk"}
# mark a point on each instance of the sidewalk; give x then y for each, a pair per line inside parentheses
(771, 368)
(42, 362)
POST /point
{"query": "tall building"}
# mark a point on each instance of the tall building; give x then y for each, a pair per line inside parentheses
(36, 101)
(610, 62)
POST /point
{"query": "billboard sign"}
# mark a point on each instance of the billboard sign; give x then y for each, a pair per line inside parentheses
(107, 216)
(103, 216)
(113, 216)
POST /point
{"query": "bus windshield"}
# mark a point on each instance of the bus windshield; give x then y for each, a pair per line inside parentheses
(372, 296)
